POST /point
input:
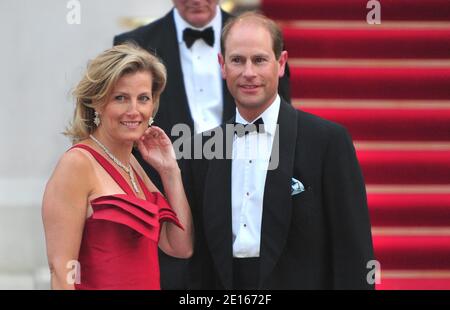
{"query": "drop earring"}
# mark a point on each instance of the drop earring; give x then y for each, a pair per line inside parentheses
(150, 121)
(96, 119)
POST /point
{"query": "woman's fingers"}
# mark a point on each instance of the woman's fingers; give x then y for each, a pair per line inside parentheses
(161, 135)
(153, 137)
(142, 148)
(148, 134)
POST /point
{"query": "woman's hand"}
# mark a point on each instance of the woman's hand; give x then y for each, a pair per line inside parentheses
(157, 150)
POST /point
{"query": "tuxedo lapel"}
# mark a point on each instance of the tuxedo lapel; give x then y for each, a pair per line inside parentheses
(229, 106)
(277, 205)
(217, 215)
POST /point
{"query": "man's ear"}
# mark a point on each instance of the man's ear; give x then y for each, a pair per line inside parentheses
(282, 62)
(222, 65)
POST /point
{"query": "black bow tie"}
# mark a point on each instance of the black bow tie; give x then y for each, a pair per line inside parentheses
(190, 36)
(242, 129)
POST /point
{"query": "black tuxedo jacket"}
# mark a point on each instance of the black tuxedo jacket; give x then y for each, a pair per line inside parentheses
(160, 38)
(318, 239)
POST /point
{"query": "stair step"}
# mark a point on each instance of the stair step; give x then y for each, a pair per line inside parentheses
(411, 231)
(408, 188)
(364, 63)
(427, 210)
(412, 252)
(405, 167)
(370, 103)
(372, 42)
(390, 124)
(356, 9)
(410, 280)
(362, 24)
(370, 83)
(402, 145)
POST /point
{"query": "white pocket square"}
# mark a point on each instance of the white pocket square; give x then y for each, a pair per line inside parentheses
(296, 187)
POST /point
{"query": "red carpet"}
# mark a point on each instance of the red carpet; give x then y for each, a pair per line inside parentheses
(390, 124)
(414, 284)
(409, 210)
(375, 43)
(371, 83)
(435, 10)
(412, 252)
(405, 167)
(389, 85)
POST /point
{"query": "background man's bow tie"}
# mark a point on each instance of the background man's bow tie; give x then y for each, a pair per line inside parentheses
(242, 129)
(190, 36)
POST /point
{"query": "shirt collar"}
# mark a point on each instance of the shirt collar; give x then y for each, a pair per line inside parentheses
(181, 24)
(269, 116)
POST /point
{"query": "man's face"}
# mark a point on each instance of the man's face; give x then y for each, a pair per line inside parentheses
(198, 13)
(251, 68)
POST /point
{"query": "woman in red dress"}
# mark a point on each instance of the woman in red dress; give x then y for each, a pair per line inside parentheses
(104, 218)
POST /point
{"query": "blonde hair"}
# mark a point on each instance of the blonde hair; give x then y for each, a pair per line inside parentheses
(101, 76)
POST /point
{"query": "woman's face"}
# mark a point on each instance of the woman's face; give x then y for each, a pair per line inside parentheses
(125, 115)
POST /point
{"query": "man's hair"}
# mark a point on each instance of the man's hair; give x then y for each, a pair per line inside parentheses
(267, 23)
(100, 78)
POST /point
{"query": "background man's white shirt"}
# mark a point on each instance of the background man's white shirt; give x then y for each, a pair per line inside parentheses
(201, 74)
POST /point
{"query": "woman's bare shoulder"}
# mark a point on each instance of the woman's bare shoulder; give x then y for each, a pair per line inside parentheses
(75, 159)
(74, 166)
(70, 184)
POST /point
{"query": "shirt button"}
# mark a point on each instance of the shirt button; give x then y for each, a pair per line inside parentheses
(250, 161)
(248, 194)
(201, 90)
(245, 225)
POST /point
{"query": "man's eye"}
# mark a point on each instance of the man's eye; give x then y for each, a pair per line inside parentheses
(235, 60)
(260, 60)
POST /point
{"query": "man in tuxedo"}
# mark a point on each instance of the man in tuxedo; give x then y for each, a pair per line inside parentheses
(291, 215)
(187, 40)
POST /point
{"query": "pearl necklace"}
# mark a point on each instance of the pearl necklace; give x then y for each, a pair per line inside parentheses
(128, 169)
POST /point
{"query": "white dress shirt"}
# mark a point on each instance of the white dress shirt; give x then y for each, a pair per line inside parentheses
(201, 74)
(251, 155)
